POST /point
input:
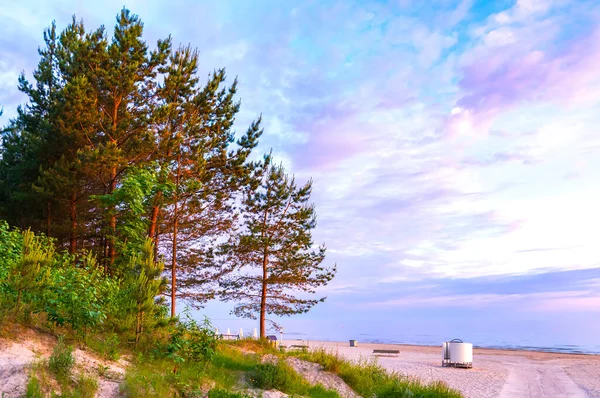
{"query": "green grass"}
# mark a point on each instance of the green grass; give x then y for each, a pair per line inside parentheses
(34, 388)
(284, 378)
(156, 377)
(61, 361)
(107, 345)
(237, 363)
(369, 379)
(220, 393)
(226, 372)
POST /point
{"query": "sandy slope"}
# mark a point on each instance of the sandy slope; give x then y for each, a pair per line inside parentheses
(496, 373)
(16, 356)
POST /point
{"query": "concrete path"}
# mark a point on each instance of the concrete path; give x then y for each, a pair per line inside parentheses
(540, 380)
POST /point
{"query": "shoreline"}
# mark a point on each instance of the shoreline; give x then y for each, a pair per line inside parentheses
(538, 350)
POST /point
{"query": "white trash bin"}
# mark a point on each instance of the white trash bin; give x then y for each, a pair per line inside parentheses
(458, 354)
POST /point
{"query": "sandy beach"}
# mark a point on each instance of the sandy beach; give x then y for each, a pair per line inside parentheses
(495, 373)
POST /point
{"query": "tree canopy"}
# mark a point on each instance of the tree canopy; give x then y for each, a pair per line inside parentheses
(122, 148)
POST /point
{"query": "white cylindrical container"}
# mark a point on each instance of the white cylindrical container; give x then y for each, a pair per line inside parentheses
(241, 333)
(228, 331)
(461, 352)
(255, 334)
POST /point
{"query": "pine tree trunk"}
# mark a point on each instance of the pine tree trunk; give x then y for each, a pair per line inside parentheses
(153, 230)
(263, 296)
(48, 218)
(175, 227)
(155, 240)
(113, 185)
(73, 219)
(113, 219)
(153, 221)
(174, 263)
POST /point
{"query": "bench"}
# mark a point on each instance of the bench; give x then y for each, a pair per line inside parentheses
(229, 336)
(299, 347)
(386, 352)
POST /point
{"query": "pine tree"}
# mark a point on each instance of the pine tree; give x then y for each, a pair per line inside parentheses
(29, 143)
(272, 258)
(194, 134)
(30, 270)
(145, 285)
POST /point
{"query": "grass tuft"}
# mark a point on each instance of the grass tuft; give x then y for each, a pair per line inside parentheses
(61, 361)
(284, 378)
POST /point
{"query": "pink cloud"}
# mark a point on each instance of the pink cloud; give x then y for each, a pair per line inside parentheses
(503, 77)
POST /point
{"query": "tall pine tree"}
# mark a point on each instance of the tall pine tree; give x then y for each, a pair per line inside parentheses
(273, 267)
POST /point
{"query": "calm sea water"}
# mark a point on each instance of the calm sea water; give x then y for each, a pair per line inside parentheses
(574, 332)
(567, 339)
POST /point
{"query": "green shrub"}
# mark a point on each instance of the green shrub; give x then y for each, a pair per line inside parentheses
(86, 387)
(28, 271)
(79, 296)
(61, 361)
(34, 388)
(191, 341)
(106, 345)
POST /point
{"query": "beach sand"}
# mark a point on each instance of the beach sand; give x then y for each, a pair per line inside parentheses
(495, 373)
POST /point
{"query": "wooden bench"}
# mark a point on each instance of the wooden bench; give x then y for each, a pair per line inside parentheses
(386, 352)
(230, 336)
(299, 347)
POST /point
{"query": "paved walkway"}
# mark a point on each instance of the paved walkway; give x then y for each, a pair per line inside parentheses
(540, 380)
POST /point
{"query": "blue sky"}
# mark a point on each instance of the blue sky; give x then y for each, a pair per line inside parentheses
(454, 144)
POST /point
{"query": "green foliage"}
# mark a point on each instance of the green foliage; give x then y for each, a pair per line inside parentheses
(80, 297)
(129, 202)
(34, 388)
(192, 342)
(156, 379)
(142, 287)
(61, 361)
(269, 376)
(28, 273)
(108, 345)
(272, 265)
(283, 377)
(85, 387)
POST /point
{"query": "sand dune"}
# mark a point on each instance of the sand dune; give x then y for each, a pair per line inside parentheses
(495, 373)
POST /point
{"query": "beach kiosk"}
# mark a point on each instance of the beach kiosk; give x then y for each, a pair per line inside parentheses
(457, 354)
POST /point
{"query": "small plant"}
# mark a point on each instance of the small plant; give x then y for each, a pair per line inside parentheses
(61, 361)
(191, 342)
(34, 388)
(86, 387)
(279, 376)
(102, 369)
(108, 346)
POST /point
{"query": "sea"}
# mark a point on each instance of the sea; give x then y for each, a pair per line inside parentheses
(573, 332)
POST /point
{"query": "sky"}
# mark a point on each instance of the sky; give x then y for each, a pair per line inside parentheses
(454, 148)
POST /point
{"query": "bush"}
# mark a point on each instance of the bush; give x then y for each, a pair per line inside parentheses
(34, 388)
(61, 361)
(79, 296)
(282, 377)
(86, 388)
(192, 342)
(106, 345)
